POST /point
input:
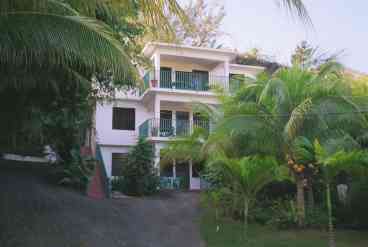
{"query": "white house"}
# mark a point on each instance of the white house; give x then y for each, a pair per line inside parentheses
(181, 76)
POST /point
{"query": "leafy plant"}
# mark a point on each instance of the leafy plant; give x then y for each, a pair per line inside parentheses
(77, 172)
(245, 177)
(284, 214)
(139, 176)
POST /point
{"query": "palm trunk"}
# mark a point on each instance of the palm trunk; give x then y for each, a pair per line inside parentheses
(310, 195)
(332, 241)
(300, 200)
(246, 210)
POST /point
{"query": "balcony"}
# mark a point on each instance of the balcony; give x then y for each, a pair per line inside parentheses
(182, 80)
(171, 128)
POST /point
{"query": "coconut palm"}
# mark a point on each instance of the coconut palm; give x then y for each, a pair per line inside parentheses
(245, 177)
(268, 115)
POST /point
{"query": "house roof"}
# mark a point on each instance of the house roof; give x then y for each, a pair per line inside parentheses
(152, 46)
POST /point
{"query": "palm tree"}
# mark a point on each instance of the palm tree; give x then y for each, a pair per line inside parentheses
(51, 35)
(296, 7)
(245, 177)
(269, 114)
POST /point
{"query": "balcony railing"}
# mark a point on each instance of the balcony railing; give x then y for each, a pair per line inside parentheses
(171, 128)
(183, 80)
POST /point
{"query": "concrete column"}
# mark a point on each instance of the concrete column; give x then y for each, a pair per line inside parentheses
(157, 107)
(191, 122)
(174, 121)
(174, 168)
(157, 59)
(156, 121)
(157, 157)
(190, 173)
(173, 78)
(226, 74)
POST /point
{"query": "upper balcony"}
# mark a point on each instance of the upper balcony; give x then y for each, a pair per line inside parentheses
(184, 80)
(168, 128)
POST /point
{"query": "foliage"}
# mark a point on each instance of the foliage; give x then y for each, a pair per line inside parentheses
(274, 115)
(187, 149)
(306, 56)
(76, 173)
(244, 178)
(203, 29)
(283, 214)
(139, 176)
(66, 55)
(230, 234)
(253, 57)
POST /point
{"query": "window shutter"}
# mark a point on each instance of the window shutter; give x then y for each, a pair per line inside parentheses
(123, 118)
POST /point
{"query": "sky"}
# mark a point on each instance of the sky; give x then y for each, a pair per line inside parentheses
(338, 25)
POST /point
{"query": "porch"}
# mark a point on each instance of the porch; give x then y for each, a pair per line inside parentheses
(168, 78)
(165, 127)
(181, 175)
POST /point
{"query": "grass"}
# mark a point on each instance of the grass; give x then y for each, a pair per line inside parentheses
(230, 235)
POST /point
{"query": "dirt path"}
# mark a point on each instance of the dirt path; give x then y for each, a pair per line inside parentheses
(35, 214)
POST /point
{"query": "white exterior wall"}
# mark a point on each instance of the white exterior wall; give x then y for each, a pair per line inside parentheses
(149, 105)
(107, 152)
(249, 71)
(108, 136)
(180, 66)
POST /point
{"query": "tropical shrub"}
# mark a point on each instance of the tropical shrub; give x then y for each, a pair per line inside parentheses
(76, 172)
(139, 176)
(283, 214)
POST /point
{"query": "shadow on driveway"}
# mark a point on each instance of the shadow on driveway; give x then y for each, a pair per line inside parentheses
(36, 214)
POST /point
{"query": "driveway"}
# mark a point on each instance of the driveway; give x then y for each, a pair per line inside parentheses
(34, 213)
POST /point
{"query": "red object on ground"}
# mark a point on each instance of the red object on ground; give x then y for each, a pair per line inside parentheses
(95, 188)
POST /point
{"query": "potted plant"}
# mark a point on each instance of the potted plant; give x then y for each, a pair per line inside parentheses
(153, 83)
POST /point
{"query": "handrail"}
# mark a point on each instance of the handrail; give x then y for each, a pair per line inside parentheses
(184, 80)
(158, 127)
(105, 178)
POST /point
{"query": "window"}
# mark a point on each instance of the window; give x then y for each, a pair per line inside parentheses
(123, 118)
(119, 160)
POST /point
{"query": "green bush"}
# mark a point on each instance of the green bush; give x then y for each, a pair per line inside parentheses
(139, 176)
(283, 214)
(76, 172)
(316, 217)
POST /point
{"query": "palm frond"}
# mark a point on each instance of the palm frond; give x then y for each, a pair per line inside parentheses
(85, 44)
(296, 7)
(297, 119)
(39, 6)
(155, 13)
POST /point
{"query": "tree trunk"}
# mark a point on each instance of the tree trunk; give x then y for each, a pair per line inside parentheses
(300, 200)
(332, 242)
(246, 210)
(310, 195)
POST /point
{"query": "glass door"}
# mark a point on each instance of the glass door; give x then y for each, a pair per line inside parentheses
(166, 128)
(182, 123)
(200, 80)
(165, 77)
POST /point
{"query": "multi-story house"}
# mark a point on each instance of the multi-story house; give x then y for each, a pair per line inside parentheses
(181, 77)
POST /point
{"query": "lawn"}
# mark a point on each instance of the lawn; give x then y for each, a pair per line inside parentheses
(230, 235)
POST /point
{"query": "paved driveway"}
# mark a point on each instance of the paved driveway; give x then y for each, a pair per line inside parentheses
(35, 214)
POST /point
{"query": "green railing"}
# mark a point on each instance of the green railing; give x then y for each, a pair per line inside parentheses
(144, 129)
(235, 85)
(105, 178)
(170, 183)
(183, 80)
(170, 128)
